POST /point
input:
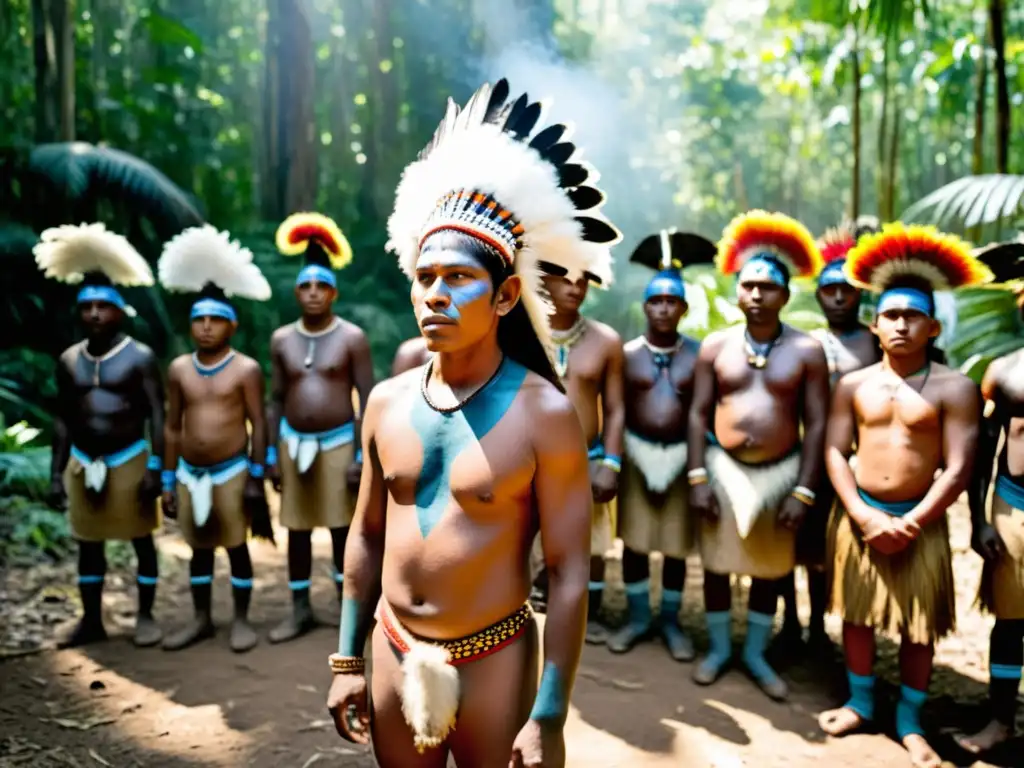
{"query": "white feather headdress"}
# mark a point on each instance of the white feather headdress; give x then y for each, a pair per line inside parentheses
(529, 198)
(201, 255)
(70, 252)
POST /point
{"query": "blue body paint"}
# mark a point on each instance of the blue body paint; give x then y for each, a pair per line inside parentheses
(550, 703)
(461, 295)
(446, 435)
(349, 642)
(758, 269)
(905, 299)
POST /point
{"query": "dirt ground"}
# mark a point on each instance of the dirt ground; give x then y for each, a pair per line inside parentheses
(115, 705)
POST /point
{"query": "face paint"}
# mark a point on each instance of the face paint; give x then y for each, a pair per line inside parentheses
(758, 269)
(466, 292)
(906, 298)
(445, 436)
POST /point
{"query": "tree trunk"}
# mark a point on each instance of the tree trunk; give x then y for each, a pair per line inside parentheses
(881, 182)
(978, 152)
(44, 46)
(855, 186)
(894, 158)
(377, 180)
(998, 32)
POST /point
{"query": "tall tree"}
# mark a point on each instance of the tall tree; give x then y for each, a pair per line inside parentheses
(54, 45)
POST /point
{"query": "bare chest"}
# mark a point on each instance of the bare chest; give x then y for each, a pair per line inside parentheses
(887, 403)
(781, 376)
(224, 387)
(118, 375)
(646, 371)
(1011, 388)
(326, 356)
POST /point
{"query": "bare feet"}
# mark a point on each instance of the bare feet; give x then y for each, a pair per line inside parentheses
(200, 628)
(85, 632)
(992, 735)
(921, 754)
(147, 632)
(243, 636)
(597, 633)
(296, 625)
(840, 722)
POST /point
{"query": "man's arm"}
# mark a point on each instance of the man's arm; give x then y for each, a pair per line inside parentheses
(61, 448)
(564, 506)
(702, 403)
(153, 388)
(961, 412)
(275, 407)
(988, 441)
(613, 401)
(252, 395)
(364, 550)
(815, 418)
(362, 374)
(172, 426)
(839, 434)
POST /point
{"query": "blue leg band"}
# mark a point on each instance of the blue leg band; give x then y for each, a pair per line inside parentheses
(339, 577)
(196, 581)
(671, 602)
(238, 583)
(1004, 672)
(90, 579)
(759, 630)
(638, 603)
(720, 634)
(296, 585)
(908, 712)
(596, 586)
(148, 581)
(862, 695)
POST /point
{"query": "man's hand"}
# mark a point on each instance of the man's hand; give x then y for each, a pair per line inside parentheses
(274, 476)
(703, 501)
(792, 512)
(538, 746)
(56, 497)
(255, 489)
(879, 531)
(347, 703)
(604, 483)
(169, 504)
(906, 529)
(987, 543)
(149, 488)
(355, 471)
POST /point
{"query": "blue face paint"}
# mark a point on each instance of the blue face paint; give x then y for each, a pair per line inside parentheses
(833, 274)
(906, 299)
(459, 295)
(315, 273)
(213, 308)
(104, 293)
(668, 282)
(760, 270)
(550, 703)
(445, 436)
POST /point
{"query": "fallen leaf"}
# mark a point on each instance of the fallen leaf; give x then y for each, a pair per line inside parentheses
(95, 756)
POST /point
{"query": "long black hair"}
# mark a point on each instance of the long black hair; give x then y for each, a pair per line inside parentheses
(516, 336)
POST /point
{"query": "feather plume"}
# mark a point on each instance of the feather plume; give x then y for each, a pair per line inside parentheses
(67, 253)
(918, 252)
(1006, 260)
(201, 255)
(673, 250)
(760, 231)
(295, 233)
(836, 243)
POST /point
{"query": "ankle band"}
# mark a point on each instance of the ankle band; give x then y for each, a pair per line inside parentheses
(86, 578)
(862, 695)
(908, 712)
(238, 583)
(296, 585)
(147, 581)
(198, 581)
(1004, 672)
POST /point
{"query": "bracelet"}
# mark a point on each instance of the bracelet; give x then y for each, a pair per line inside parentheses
(799, 496)
(346, 665)
(805, 491)
(271, 459)
(255, 470)
(612, 462)
(359, 456)
(168, 479)
(697, 476)
(154, 462)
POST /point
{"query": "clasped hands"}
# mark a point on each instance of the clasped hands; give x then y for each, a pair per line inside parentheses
(886, 533)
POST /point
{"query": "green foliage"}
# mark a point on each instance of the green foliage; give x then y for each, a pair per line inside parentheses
(973, 200)
(988, 327)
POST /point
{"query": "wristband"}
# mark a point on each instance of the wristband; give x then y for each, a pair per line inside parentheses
(803, 490)
(359, 456)
(154, 462)
(799, 496)
(612, 462)
(346, 665)
(271, 456)
(168, 478)
(255, 470)
(697, 476)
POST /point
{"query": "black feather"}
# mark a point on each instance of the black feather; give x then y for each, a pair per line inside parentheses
(648, 253)
(685, 248)
(585, 198)
(512, 115)
(572, 175)
(547, 138)
(560, 153)
(598, 231)
(1006, 260)
(527, 121)
(499, 94)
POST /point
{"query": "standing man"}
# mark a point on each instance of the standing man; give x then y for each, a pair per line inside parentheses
(588, 359)
(108, 388)
(757, 386)
(915, 425)
(653, 514)
(215, 396)
(468, 459)
(411, 353)
(313, 458)
(999, 537)
(849, 346)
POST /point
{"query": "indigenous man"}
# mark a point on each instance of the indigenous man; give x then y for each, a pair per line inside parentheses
(849, 346)
(751, 479)
(411, 353)
(313, 457)
(653, 513)
(108, 387)
(588, 359)
(915, 424)
(1001, 541)
(468, 458)
(212, 394)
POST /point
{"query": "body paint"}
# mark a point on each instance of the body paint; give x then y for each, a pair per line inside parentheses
(461, 295)
(351, 637)
(550, 703)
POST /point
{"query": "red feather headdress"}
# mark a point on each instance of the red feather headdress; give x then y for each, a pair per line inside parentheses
(760, 231)
(296, 232)
(836, 243)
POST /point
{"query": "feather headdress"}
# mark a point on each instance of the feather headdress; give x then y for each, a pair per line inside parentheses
(667, 253)
(1005, 260)
(321, 242)
(760, 233)
(486, 173)
(94, 256)
(204, 261)
(834, 245)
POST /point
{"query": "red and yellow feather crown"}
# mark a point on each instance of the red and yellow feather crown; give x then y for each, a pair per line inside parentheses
(836, 243)
(296, 232)
(759, 232)
(918, 252)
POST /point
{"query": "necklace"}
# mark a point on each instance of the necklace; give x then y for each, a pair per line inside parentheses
(758, 351)
(98, 361)
(662, 356)
(211, 370)
(312, 337)
(564, 341)
(460, 405)
(927, 369)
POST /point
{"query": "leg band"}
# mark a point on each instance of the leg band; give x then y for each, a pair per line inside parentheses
(759, 629)
(671, 602)
(862, 695)
(908, 712)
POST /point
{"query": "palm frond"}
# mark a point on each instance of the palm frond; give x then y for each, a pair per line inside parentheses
(971, 201)
(25, 472)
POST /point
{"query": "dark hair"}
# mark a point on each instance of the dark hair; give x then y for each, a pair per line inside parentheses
(516, 335)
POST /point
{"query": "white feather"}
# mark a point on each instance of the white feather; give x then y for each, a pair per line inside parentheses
(750, 490)
(660, 464)
(430, 694)
(201, 255)
(66, 253)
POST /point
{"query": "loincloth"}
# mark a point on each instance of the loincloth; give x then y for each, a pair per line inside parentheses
(747, 538)
(103, 495)
(654, 498)
(1002, 581)
(211, 503)
(908, 594)
(314, 477)
(430, 681)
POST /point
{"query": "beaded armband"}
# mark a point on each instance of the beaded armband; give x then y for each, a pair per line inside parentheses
(613, 463)
(256, 470)
(804, 495)
(346, 665)
(697, 476)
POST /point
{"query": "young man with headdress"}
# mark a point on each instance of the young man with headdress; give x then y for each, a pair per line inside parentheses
(214, 396)
(752, 475)
(913, 426)
(588, 359)
(468, 457)
(108, 388)
(849, 346)
(652, 510)
(411, 353)
(999, 537)
(313, 456)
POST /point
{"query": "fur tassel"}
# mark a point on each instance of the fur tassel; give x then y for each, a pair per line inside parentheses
(430, 694)
(750, 490)
(201, 255)
(66, 253)
(660, 464)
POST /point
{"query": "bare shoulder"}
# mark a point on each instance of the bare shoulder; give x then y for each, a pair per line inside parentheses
(852, 381)
(391, 390)
(609, 337)
(411, 346)
(178, 366)
(248, 367)
(353, 332)
(633, 346)
(954, 384)
(809, 346)
(70, 355)
(714, 342)
(551, 416)
(281, 334)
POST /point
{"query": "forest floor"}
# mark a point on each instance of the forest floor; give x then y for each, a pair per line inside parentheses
(115, 705)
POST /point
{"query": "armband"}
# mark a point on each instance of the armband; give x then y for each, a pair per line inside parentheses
(168, 479)
(804, 495)
(154, 462)
(697, 476)
(612, 462)
(255, 470)
(271, 456)
(346, 665)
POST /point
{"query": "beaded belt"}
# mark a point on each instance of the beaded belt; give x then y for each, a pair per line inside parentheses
(463, 649)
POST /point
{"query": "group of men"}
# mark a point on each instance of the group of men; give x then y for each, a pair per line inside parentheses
(507, 427)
